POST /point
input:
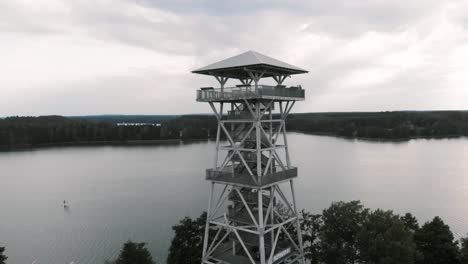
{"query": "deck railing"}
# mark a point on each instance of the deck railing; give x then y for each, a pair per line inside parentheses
(227, 175)
(232, 93)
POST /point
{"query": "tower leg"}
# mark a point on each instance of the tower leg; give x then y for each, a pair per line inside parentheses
(298, 223)
(207, 225)
(261, 227)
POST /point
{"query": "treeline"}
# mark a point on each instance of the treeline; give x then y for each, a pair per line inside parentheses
(349, 233)
(3, 257)
(382, 125)
(115, 119)
(34, 131)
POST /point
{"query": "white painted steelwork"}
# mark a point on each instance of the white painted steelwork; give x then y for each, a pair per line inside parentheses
(252, 215)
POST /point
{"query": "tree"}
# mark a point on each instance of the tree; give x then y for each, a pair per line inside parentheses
(187, 244)
(310, 228)
(436, 243)
(384, 239)
(464, 251)
(134, 253)
(410, 222)
(3, 258)
(341, 224)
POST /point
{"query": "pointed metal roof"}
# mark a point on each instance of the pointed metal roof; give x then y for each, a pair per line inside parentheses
(238, 66)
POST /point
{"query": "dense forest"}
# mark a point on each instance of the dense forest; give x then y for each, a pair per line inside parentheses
(383, 125)
(115, 119)
(349, 233)
(46, 130)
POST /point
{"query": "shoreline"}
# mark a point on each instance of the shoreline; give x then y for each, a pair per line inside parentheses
(387, 140)
(155, 142)
(93, 143)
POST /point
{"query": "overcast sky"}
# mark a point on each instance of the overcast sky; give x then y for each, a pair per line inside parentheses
(134, 57)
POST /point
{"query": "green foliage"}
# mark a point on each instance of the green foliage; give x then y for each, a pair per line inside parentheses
(464, 251)
(310, 228)
(187, 244)
(348, 233)
(436, 243)
(133, 253)
(383, 239)
(410, 222)
(383, 125)
(154, 119)
(32, 131)
(193, 126)
(341, 225)
(3, 257)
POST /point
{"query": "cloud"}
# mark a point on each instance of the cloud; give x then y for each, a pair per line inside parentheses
(121, 56)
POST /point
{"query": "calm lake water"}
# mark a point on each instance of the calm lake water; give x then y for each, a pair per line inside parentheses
(139, 192)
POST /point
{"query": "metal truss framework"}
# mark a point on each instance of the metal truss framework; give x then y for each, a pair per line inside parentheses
(252, 223)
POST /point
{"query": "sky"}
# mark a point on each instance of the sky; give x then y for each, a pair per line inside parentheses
(85, 57)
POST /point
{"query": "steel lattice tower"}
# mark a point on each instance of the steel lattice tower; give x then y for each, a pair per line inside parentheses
(252, 215)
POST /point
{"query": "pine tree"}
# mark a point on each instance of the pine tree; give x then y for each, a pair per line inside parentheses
(410, 222)
(435, 242)
(464, 251)
(338, 234)
(3, 258)
(385, 239)
(134, 253)
(187, 244)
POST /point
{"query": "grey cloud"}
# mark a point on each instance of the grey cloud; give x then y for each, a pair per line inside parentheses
(343, 18)
(174, 34)
(15, 19)
(329, 38)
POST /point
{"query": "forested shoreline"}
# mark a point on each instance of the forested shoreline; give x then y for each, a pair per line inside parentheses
(400, 125)
(17, 132)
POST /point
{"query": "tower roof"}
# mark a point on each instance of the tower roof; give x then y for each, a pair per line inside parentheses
(239, 66)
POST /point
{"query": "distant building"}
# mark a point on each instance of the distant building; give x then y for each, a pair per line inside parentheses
(138, 124)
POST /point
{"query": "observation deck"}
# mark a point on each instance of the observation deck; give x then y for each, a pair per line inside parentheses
(279, 92)
(223, 254)
(228, 176)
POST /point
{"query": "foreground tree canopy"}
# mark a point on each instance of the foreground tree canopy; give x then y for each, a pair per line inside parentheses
(3, 258)
(464, 251)
(349, 233)
(133, 253)
(187, 245)
(383, 238)
(436, 243)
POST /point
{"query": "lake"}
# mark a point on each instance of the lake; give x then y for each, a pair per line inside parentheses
(118, 193)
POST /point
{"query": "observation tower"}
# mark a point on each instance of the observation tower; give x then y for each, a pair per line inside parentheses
(252, 215)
